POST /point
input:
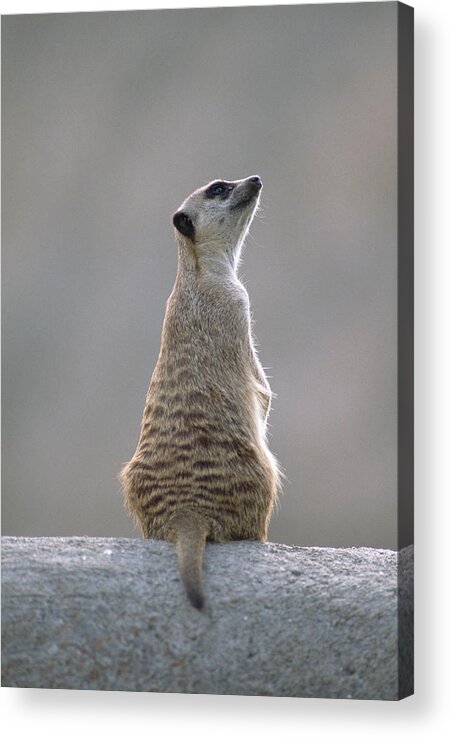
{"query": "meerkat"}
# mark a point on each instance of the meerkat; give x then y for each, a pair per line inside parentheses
(202, 470)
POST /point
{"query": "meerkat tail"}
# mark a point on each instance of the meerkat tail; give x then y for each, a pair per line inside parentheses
(191, 532)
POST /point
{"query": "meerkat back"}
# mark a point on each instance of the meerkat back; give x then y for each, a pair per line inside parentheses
(202, 470)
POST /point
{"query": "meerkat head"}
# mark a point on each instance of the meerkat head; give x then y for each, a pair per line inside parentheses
(214, 220)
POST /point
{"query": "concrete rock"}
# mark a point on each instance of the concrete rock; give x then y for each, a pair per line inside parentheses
(111, 614)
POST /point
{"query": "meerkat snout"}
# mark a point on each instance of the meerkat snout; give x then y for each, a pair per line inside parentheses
(256, 181)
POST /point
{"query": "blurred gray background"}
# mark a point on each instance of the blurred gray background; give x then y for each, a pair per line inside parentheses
(109, 121)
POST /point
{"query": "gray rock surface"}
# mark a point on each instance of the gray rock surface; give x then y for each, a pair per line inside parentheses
(111, 614)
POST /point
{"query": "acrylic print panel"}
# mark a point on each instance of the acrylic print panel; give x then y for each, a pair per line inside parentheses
(110, 120)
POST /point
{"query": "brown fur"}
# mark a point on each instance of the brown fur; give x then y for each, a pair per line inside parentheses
(202, 469)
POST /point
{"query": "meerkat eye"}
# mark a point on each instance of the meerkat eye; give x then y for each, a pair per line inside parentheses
(217, 189)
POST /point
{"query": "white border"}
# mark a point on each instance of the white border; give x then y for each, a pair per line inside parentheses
(50, 713)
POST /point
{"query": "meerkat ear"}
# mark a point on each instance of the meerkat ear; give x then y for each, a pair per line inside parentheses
(184, 224)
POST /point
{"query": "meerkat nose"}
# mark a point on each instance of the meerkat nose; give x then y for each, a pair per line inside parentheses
(256, 180)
